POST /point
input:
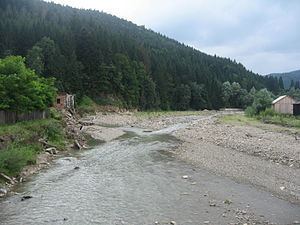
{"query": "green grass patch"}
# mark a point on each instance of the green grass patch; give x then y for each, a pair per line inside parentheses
(15, 157)
(285, 121)
(20, 142)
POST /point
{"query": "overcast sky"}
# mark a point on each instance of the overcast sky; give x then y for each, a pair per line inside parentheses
(264, 35)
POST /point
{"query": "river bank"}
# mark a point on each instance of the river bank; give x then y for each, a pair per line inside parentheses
(267, 156)
(29, 147)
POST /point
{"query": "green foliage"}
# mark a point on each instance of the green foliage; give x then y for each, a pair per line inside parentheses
(21, 90)
(236, 97)
(250, 111)
(262, 100)
(15, 157)
(182, 97)
(86, 105)
(95, 54)
(272, 117)
(22, 145)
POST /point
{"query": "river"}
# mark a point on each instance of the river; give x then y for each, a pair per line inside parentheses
(136, 180)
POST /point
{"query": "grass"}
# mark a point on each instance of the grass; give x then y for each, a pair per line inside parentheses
(283, 121)
(153, 114)
(21, 145)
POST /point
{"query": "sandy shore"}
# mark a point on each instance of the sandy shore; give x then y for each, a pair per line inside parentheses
(262, 156)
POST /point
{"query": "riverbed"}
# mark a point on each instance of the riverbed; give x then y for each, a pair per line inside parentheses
(138, 179)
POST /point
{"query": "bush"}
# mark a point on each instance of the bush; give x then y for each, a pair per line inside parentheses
(86, 105)
(268, 112)
(22, 143)
(15, 157)
(250, 111)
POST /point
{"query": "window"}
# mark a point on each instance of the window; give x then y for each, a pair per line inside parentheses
(58, 101)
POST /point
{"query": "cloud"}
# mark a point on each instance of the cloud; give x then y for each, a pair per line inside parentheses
(262, 34)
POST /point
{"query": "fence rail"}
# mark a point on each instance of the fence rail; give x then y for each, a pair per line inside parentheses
(7, 117)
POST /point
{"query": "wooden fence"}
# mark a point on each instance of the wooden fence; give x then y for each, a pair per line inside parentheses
(7, 117)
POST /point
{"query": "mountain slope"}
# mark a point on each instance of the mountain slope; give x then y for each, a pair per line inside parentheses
(288, 77)
(97, 54)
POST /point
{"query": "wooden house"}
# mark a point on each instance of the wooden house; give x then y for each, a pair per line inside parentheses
(284, 104)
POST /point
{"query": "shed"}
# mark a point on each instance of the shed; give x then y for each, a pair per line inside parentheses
(65, 101)
(284, 104)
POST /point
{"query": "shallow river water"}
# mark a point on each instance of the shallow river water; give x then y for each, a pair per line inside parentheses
(136, 180)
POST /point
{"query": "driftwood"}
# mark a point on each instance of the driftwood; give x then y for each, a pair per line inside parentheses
(7, 178)
(46, 144)
(77, 145)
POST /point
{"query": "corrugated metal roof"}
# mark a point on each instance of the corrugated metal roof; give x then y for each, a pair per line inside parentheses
(279, 98)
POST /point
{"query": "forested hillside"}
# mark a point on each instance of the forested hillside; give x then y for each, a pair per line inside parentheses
(96, 54)
(290, 79)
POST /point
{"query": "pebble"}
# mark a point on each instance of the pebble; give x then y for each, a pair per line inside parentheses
(282, 188)
(173, 223)
(185, 177)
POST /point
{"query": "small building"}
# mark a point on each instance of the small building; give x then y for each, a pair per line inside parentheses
(296, 108)
(65, 101)
(284, 104)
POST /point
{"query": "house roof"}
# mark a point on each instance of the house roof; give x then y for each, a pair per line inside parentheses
(279, 98)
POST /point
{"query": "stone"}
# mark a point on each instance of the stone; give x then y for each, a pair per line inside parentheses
(185, 177)
(227, 201)
(282, 188)
(173, 223)
(3, 192)
(76, 168)
(25, 197)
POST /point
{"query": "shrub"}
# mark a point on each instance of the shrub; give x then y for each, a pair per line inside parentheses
(15, 157)
(250, 111)
(86, 105)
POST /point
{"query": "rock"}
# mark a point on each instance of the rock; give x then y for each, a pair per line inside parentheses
(25, 197)
(227, 201)
(282, 188)
(173, 223)
(51, 150)
(3, 192)
(212, 204)
(206, 222)
(296, 222)
(76, 168)
(185, 177)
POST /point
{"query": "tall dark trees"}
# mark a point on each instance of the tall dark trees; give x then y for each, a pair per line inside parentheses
(99, 55)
